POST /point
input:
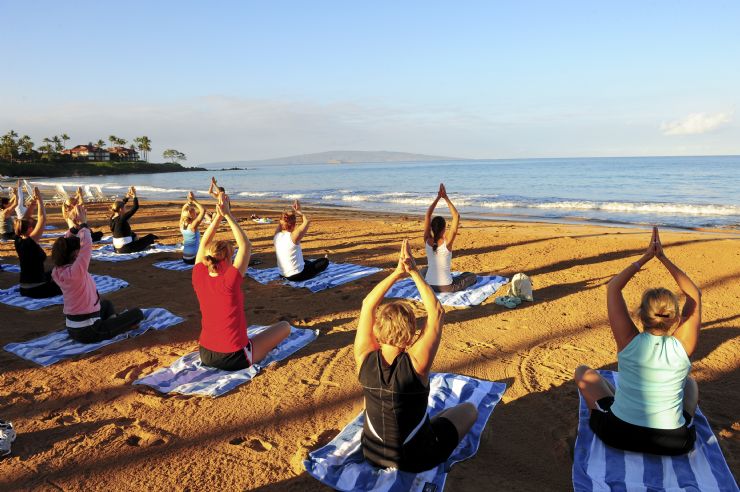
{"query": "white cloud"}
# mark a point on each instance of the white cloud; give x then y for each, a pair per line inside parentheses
(696, 124)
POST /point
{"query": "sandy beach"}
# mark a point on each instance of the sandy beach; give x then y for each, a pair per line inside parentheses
(82, 425)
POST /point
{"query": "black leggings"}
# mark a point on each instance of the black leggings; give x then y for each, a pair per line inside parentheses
(43, 291)
(311, 268)
(138, 244)
(189, 261)
(108, 326)
(96, 236)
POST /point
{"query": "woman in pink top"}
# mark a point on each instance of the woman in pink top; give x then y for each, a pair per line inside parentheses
(89, 318)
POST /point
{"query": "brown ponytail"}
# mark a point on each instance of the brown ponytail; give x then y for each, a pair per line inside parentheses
(21, 226)
(438, 227)
(217, 252)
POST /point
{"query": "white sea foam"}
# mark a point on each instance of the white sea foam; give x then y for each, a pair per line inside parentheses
(633, 207)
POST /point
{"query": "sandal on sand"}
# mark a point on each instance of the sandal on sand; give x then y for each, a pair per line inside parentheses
(508, 301)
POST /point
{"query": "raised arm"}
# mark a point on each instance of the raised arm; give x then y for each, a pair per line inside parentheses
(424, 350)
(455, 217)
(201, 213)
(241, 261)
(77, 222)
(130, 213)
(365, 341)
(688, 329)
(209, 235)
(38, 231)
(623, 328)
(213, 189)
(79, 196)
(428, 216)
(302, 229)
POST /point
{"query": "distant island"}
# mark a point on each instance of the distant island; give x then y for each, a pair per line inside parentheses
(339, 157)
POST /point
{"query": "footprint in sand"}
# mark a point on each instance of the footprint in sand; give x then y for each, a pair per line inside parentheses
(133, 371)
(308, 444)
(259, 445)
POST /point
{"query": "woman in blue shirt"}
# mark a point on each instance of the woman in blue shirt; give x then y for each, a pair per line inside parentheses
(190, 218)
(652, 409)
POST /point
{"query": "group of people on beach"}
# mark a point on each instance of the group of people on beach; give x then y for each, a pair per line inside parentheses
(651, 411)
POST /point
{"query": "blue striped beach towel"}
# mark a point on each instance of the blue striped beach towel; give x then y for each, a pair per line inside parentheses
(334, 275)
(598, 467)
(57, 346)
(13, 297)
(177, 265)
(187, 376)
(108, 253)
(341, 465)
(484, 288)
(6, 267)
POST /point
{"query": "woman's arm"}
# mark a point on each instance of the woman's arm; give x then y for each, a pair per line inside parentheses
(365, 341)
(455, 219)
(428, 216)
(208, 236)
(688, 329)
(38, 231)
(423, 351)
(130, 213)
(623, 328)
(241, 261)
(82, 262)
(201, 212)
(302, 229)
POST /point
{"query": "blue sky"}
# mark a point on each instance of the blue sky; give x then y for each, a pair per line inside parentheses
(248, 80)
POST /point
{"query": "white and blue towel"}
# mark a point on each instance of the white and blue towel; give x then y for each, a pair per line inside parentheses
(108, 253)
(341, 465)
(177, 265)
(57, 346)
(484, 288)
(334, 275)
(13, 297)
(5, 267)
(52, 235)
(188, 376)
(600, 467)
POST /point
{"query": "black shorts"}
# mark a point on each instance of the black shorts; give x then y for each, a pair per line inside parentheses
(432, 445)
(189, 261)
(230, 361)
(622, 435)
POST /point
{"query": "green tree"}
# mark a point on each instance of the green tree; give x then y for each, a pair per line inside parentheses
(112, 139)
(9, 145)
(58, 145)
(121, 141)
(145, 146)
(174, 155)
(65, 139)
(100, 143)
(25, 144)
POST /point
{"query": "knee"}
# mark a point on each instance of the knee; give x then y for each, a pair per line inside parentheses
(579, 374)
(283, 327)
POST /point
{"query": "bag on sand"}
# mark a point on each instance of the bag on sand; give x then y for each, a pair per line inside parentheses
(521, 286)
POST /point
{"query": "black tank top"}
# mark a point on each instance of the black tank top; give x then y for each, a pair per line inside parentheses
(395, 407)
(31, 258)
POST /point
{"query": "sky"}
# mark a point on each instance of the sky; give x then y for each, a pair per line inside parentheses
(241, 80)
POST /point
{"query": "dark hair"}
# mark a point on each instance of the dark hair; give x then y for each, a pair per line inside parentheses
(116, 207)
(4, 201)
(222, 189)
(438, 226)
(20, 226)
(63, 249)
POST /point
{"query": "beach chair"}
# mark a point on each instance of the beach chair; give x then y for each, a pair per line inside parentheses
(90, 196)
(101, 196)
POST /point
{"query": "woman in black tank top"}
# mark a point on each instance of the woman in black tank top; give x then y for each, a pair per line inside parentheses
(393, 365)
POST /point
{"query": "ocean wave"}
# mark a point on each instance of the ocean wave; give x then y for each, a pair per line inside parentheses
(628, 207)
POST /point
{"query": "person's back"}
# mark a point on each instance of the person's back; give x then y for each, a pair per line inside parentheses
(31, 258)
(289, 255)
(224, 324)
(190, 243)
(652, 374)
(395, 409)
(439, 264)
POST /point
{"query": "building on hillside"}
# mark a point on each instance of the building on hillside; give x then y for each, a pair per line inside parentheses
(88, 152)
(123, 154)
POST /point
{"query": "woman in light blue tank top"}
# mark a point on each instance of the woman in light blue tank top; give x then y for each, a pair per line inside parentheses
(190, 218)
(652, 408)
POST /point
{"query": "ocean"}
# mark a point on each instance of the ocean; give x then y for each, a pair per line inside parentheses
(682, 192)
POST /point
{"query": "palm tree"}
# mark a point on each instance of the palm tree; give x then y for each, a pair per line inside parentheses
(65, 138)
(58, 146)
(26, 145)
(145, 146)
(112, 139)
(100, 143)
(121, 141)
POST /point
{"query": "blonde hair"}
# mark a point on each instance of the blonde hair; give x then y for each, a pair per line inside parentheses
(217, 252)
(658, 309)
(186, 216)
(395, 324)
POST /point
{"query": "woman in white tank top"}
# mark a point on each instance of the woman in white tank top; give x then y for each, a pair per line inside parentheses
(287, 242)
(438, 246)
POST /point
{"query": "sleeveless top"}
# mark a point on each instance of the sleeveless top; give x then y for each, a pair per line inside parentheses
(289, 255)
(31, 258)
(438, 265)
(6, 222)
(190, 243)
(395, 407)
(652, 373)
